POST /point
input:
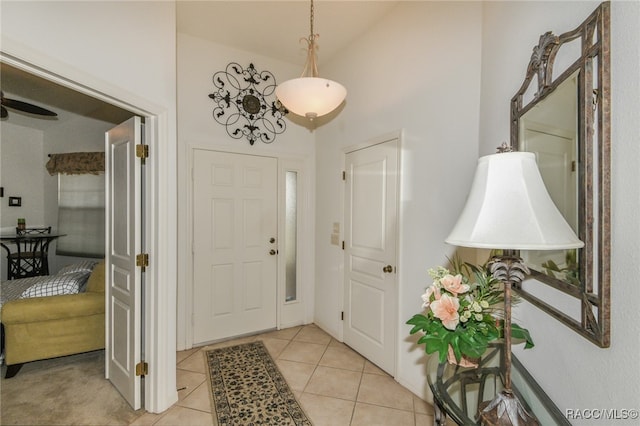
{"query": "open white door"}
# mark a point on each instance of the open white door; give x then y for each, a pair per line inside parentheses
(124, 241)
(371, 291)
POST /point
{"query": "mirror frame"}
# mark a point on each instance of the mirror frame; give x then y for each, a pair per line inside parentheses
(594, 181)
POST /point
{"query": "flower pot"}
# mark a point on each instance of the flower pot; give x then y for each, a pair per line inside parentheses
(465, 361)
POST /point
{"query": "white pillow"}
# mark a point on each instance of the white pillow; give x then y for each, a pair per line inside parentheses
(70, 283)
(84, 266)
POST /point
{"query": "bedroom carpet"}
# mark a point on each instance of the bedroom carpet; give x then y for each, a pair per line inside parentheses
(247, 388)
(69, 390)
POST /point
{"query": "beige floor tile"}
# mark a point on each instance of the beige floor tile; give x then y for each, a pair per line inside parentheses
(182, 355)
(327, 411)
(342, 357)
(274, 346)
(424, 419)
(187, 382)
(296, 374)
(334, 382)
(371, 368)
(285, 333)
(182, 416)
(384, 391)
(311, 353)
(195, 362)
(199, 399)
(147, 419)
(422, 407)
(313, 334)
(373, 415)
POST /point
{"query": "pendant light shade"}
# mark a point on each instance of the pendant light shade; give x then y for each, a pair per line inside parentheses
(311, 96)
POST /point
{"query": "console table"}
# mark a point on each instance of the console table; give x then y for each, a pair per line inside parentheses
(458, 391)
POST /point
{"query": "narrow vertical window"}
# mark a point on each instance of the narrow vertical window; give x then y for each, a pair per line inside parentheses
(291, 235)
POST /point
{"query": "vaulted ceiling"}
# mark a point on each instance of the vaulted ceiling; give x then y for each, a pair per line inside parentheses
(269, 28)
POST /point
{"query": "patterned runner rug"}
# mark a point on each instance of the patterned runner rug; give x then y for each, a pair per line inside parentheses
(248, 389)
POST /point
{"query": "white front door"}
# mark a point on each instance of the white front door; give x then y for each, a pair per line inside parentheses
(123, 279)
(371, 292)
(234, 244)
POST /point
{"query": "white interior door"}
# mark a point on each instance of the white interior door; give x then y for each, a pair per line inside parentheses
(371, 292)
(234, 244)
(123, 236)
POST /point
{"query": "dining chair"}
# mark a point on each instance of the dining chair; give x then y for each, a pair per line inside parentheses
(31, 257)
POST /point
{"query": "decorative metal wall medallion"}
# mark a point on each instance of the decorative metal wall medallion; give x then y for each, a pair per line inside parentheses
(243, 103)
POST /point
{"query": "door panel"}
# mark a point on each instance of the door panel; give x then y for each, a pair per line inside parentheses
(235, 216)
(123, 278)
(370, 248)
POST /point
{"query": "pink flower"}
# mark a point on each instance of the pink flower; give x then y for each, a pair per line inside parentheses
(454, 284)
(446, 309)
(431, 291)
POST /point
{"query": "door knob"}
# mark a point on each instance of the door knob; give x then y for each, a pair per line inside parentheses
(387, 269)
(273, 252)
(272, 240)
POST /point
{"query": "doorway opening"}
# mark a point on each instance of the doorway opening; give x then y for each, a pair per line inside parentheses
(84, 114)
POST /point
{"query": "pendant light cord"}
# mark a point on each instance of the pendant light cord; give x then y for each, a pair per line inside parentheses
(311, 66)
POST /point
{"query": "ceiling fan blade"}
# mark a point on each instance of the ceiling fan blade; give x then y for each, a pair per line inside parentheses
(3, 112)
(26, 107)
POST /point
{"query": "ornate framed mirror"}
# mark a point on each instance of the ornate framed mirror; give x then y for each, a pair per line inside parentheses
(562, 114)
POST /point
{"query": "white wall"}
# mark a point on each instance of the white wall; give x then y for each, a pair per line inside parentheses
(21, 149)
(417, 71)
(575, 373)
(125, 50)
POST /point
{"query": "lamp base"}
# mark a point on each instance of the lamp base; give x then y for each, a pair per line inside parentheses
(505, 409)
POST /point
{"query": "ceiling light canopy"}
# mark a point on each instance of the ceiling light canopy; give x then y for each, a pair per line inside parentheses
(311, 96)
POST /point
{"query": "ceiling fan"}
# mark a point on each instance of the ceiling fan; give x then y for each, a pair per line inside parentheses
(22, 106)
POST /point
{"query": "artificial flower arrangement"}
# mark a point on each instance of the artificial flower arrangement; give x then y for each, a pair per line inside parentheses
(461, 316)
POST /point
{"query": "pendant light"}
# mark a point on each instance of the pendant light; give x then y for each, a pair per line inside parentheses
(311, 96)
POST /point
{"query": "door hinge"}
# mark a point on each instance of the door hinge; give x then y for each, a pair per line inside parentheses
(343, 245)
(142, 260)
(573, 166)
(342, 316)
(344, 175)
(142, 369)
(142, 151)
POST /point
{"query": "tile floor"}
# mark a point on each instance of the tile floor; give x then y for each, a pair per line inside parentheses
(335, 385)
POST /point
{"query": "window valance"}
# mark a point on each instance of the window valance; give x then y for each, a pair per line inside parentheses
(76, 163)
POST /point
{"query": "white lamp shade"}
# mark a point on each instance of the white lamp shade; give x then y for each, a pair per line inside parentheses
(509, 208)
(311, 96)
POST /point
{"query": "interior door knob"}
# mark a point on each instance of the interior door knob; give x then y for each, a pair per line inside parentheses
(273, 252)
(387, 269)
(272, 240)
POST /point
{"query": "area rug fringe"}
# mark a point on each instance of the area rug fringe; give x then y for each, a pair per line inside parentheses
(246, 388)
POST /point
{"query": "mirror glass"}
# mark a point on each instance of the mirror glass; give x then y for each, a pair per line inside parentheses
(561, 113)
(550, 131)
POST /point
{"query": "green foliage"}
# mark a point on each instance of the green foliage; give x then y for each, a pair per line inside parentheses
(569, 273)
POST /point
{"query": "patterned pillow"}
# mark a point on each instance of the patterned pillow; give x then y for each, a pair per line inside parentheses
(84, 266)
(70, 283)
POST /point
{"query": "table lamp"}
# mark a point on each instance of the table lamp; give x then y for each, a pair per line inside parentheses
(509, 208)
